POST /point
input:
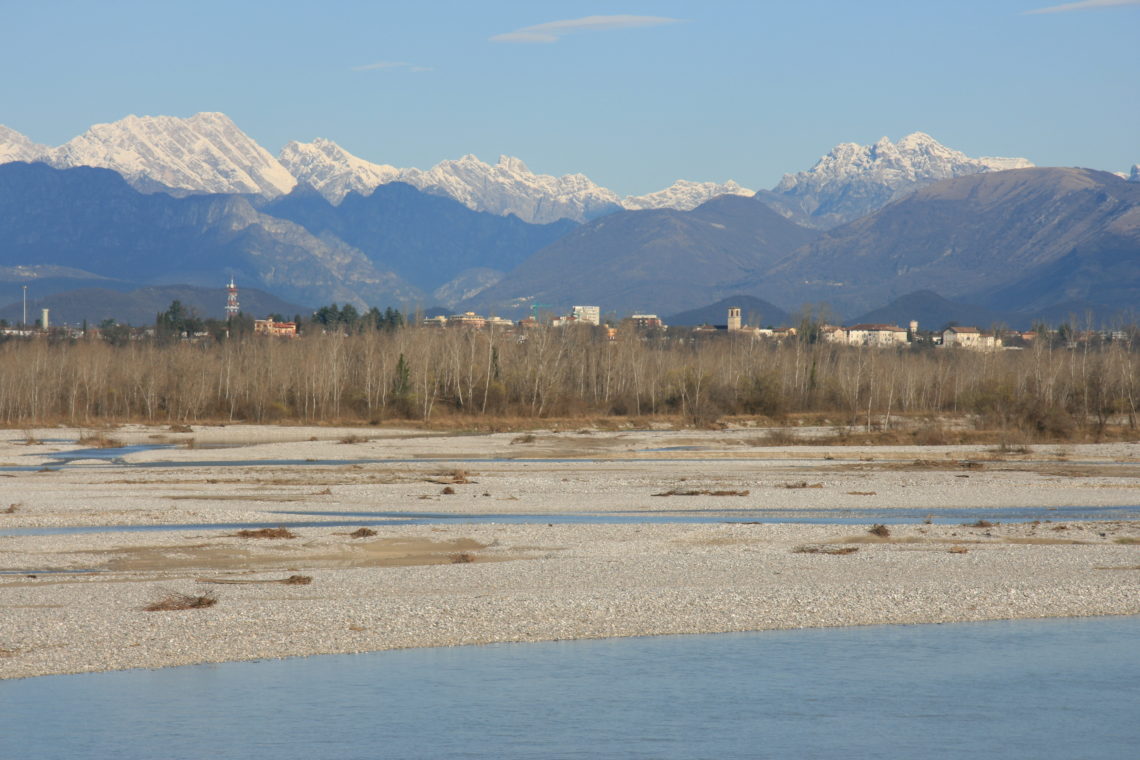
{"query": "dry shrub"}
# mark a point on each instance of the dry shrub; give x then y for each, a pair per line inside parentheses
(30, 439)
(362, 533)
(931, 435)
(323, 492)
(99, 441)
(979, 524)
(836, 550)
(180, 428)
(957, 550)
(266, 533)
(462, 558)
(675, 492)
(1128, 540)
(882, 531)
(862, 493)
(803, 484)
(460, 477)
(353, 439)
(298, 580)
(11, 509)
(175, 600)
(448, 491)
(528, 438)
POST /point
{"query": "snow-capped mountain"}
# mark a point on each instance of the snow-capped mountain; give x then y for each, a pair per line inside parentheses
(854, 180)
(205, 153)
(15, 147)
(509, 187)
(333, 171)
(684, 195)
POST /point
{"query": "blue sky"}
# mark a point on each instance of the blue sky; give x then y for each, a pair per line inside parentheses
(652, 92)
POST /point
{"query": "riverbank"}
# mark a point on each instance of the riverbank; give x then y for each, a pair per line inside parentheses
(74, 602)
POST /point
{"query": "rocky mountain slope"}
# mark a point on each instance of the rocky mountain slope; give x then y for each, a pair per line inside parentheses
(854, 180)
(658, 260)
(427, 240)
(1011, 240)
(91, 220)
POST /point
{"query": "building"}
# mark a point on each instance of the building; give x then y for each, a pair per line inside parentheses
(880, 336)
(277, 329)
(589, 315)
(969, 337)
(468, 319)
(733, 318)
(646, 321)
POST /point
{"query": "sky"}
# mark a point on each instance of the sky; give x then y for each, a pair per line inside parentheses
(633, 94)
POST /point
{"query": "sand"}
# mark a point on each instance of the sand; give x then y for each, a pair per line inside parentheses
(75, 602)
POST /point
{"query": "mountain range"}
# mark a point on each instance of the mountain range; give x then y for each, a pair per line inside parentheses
(195, 201)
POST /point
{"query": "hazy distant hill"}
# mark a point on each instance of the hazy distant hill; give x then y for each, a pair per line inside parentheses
(934, 312)
(139, 307)
(661, 261)
(753, 311)
(428, 240)
(1013, 240)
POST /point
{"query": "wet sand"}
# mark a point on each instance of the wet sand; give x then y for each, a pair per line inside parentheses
(75, 602)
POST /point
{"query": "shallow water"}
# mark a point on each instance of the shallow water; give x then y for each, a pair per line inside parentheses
(892, 516)
(1045, 689)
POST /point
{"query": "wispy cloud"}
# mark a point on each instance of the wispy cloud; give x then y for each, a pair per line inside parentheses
(1085, 5)
(390, 66)
(552, 31)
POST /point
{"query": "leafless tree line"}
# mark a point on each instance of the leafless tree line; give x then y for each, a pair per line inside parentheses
(436, 375)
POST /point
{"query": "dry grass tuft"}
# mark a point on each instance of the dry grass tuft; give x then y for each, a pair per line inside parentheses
(448, 491)
(180, 429)
(882, 531)
(862, 493)
(323, 492)
(178, 601)
(803, 484)
(462, 558)
(11, 509)
(1128, 540)
(460, 477)
(362, 533)
(979, 524)
(527, 438)
(957, 550)
(266, 533)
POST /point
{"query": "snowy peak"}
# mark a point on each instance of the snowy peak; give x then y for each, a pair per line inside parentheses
(510, 187)
(15, 147)
(205, 153)
(853, 180)
(684, 195)
(333, 171)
